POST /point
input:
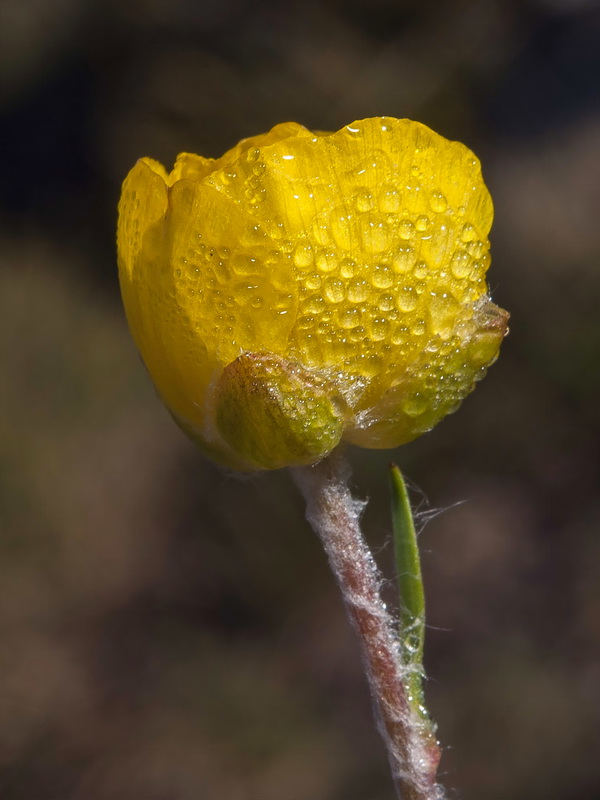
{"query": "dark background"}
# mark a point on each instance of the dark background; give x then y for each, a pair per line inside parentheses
(170, 632)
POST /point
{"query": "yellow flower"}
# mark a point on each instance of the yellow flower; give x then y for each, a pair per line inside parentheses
(308, 288)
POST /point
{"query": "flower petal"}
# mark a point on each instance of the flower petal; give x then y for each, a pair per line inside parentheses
(359, 255)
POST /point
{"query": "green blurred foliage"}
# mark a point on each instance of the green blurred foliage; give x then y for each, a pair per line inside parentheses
(171, 631)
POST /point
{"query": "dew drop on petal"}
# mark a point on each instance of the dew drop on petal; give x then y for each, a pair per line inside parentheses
(375, 236)
(400, 334)
(334, 290)
(357, 334)
(348, 268)
(303, 256)
(438, 202)
(312, 282)
(380, 329)
(421, 269)
(326, 260)
(406, 229)
(349, 318)
(403, 259)
(468, 232)
(315, 305)
(358, 290)
(407, 299)
(414, 404)
(389, 200)
(354, 130)
(386, 302)
(364, 200)
(460, 264)
(382, 277)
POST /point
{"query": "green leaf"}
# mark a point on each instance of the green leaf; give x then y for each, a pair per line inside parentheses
(410, 589)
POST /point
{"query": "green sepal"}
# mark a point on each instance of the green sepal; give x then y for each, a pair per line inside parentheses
(275, 413)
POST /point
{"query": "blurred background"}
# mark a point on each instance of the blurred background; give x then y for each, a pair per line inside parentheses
(171, 632)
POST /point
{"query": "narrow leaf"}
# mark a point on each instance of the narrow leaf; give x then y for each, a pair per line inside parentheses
(410, 588)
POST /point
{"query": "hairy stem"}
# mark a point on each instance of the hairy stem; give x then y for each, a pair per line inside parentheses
(334, 514)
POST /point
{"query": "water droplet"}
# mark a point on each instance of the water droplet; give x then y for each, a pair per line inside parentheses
(421, 269)
(357, 334)
(422, 223)
(315, 305)
(380, 329)
(348, 268)
(358, 291)
(370, 365)
(389, 200)
(364, 200)
(403, 260)
(444, 312)
(334, 290)
(386, 302)
(354, 130)
(400, 334)
(303, 256)
(438, 202)
(313, 282)
(349, 318)
(326, 260)
(383, 276)
(228, 176)
(419, 328)
(407, 299)
(414, 405)
(468, 232)
(375, 236)
(476, 248)
(460, 264)
(406, 229)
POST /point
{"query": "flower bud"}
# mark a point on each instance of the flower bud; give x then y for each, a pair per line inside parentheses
(309, 288)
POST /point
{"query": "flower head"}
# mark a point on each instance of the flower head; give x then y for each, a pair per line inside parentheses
(311, 287)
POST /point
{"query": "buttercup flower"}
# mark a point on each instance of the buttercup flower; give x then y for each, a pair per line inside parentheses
(307, 288)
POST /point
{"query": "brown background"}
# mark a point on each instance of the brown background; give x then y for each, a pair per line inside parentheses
(168, 632)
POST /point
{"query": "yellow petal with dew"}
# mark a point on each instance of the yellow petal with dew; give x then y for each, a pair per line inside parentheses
(359, 255)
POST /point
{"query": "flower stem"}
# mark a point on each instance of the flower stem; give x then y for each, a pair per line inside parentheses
(334, 515)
